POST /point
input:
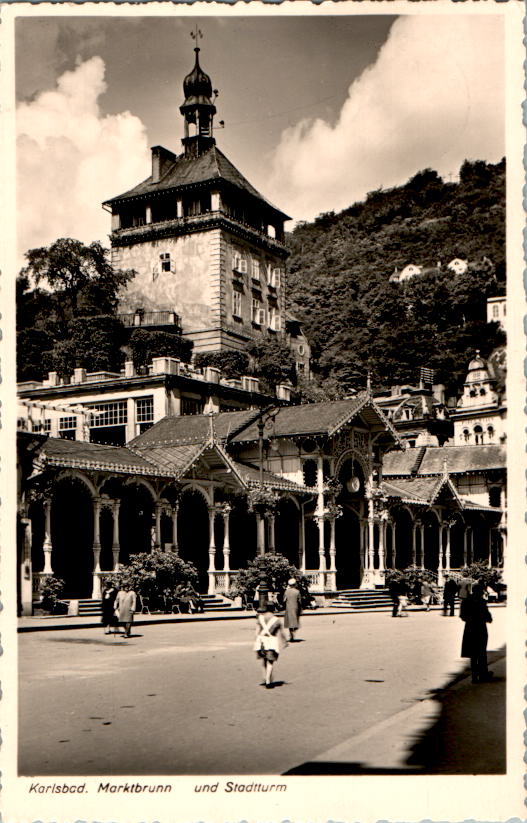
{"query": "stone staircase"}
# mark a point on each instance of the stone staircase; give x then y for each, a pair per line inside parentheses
(211, 602)
(357, 599)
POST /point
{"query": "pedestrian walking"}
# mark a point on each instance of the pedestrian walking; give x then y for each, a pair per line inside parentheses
(108, 619)
(394, 591)
(403, 599)
(475, 614)
(293, 608)
(449, 596)
(270, 639)
(427, 594)
(125, 603)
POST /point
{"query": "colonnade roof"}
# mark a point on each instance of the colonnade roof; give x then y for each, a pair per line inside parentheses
(324, 418)
(455, 459)
(194, 429)
(94, 456)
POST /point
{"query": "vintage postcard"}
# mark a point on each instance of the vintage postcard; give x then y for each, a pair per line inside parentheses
(262, 434)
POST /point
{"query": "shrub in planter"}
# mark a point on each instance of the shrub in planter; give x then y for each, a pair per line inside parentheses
(488, 575)
(159, 576)
(277, 570)
(50, 591)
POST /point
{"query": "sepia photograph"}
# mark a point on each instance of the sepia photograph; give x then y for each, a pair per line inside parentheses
(265, 289)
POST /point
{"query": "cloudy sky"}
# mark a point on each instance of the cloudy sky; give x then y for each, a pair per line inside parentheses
(318, 110)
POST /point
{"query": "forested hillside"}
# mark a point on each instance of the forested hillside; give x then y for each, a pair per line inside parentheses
(355, 319)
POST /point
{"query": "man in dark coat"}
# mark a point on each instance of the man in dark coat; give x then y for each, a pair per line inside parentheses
(449, 596)
(475, 614)
(394, 589)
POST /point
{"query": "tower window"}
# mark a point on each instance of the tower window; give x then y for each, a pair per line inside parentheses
(478, 434)
(490, 432)
(495, 311)
(165, 261)
(466, 435)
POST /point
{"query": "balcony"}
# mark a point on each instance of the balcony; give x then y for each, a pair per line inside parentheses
(150, 318)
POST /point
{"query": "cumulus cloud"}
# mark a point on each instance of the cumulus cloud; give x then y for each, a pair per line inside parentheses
(71, 157)
(434, 97)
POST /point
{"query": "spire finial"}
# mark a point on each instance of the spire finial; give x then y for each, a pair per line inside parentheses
(368, 381)
(196, 35)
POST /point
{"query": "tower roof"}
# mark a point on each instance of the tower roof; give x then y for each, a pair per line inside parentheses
(184, 172)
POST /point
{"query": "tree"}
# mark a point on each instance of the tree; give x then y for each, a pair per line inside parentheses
(145, 345)
(92, 342)
(232, 364)
(273, 363)
(83, 275)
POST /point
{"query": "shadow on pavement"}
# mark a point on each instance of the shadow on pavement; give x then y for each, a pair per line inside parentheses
(467, 737)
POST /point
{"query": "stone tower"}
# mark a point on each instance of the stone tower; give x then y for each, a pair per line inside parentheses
(204, 243)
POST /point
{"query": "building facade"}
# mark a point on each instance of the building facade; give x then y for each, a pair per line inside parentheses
(204, 243)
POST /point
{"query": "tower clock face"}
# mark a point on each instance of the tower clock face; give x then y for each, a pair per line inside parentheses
(353, 484)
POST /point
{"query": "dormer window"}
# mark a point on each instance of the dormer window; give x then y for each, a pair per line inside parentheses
(164, 260)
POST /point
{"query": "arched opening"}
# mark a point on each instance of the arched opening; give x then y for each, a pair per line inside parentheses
(311, 543)
(403, 539)
(242, 534)
(106, 538)
(72, 537)
(310, 472)
(135, 521)
(348, 558)
(166, 531)
(457, 538)
(193, 534)
(431, 542)
(37, 516)
(287, 530)
(480, 539)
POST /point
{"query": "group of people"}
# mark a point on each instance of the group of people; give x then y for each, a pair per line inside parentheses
(118, 609)
(119, 606)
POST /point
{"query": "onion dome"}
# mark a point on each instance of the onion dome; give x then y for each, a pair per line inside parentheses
(197, 86)
(477, 362)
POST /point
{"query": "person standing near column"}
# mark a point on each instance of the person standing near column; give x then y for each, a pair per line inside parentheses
(293, 608)
(125, 603)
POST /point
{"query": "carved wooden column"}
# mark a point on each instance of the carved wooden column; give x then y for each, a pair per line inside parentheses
(116, 547)
(447, 550)
(422, 541)
(48, 546)
(96, 588)
(394, 543)
(260, 534)
(212, 551)
(226, 539)
(271, 527)
(174, 514)
(414, 546)
(321, 545)
(157, 538)
(382, 540)
(465, 545)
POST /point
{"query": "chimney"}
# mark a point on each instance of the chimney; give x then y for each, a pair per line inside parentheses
(161, 159)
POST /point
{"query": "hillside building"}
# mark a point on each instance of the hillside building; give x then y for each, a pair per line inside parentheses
(480, 415)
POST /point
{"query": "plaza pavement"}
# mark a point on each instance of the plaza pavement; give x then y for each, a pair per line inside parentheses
(361, 694)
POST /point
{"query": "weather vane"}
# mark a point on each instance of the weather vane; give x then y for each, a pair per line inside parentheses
(196, 35)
